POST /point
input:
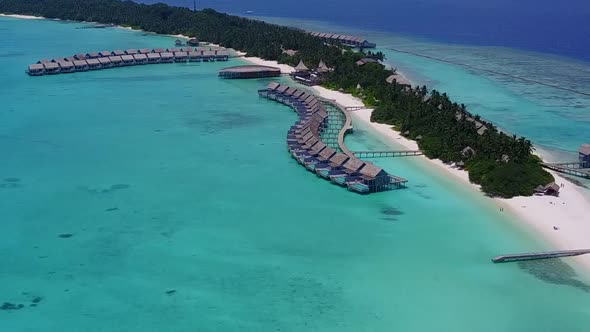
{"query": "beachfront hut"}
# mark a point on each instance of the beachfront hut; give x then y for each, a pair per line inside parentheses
(144, 51)
(552, 189)
(180, 56)
(209, 56)
(66, 67)
(105, 53)
(301, 67)
(195, 56)
(468, 152)
(222, 56)
(128, 60)
(482, 130)
(158, 50)
(36, 69)
(153, 57)
(51, 68)
(364, 61)
(118, 52)
(105, 62)
(116, 60)
(322, 68)
(93, 64)
(584, 155)
(166, 57)
(81, 65)
(140, 59)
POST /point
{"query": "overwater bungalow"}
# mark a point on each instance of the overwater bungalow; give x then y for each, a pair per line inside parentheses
(180, 56)
(371, 179)
(81, 65)
(70, 59)
(93, 64)
(105, 62)
(116, 60)
(195, 56)
(36, 69)
(335, 162)
(118, 52)
(131, 51)
(44, 61)
(208, 56)
(144, 51)
(105, 53)
(202, 49)
(128, 60)
(51, 68)
(166, 57)
(158, 50)
(173, 49)
(350, 168)
(66, 67)
(153, 57)
(140, 59)
(222, 56)
(186, 49)
(92, 55)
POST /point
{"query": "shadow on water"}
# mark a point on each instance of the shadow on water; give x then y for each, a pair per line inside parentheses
(553, 271)
(224, 121)
(390, 213)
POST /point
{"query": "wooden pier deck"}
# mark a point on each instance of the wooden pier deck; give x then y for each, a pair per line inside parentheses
(387, 154)
(571, 168)
(539, 255)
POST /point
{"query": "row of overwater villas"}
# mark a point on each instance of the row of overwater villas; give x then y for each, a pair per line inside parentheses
(344, 39)
(118, 58)
(305, 145)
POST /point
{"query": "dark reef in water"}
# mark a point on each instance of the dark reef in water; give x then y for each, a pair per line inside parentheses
(110, 189)
(554, 271)
(65, 235)
(10, 183)
(11, 306)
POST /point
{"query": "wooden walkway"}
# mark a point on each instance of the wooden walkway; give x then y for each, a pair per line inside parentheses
(387, 154)
(539, 255)
(346, 128)
(571, 168)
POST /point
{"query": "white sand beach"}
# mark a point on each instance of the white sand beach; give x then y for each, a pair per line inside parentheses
(24, 17)
(285, 69)
(568, 212)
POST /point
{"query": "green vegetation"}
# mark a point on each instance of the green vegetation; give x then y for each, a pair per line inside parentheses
(502, 164)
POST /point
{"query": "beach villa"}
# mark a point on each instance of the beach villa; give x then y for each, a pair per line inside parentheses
(584, 153)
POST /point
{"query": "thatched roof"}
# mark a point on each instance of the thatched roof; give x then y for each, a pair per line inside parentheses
(318, 147)
(301, 66)
(322, 68)
(371, 171)
(353, 164)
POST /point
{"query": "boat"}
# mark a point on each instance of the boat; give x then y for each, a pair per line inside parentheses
(178, 42)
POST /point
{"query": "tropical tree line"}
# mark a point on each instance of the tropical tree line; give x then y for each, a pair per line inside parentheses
(503, 164)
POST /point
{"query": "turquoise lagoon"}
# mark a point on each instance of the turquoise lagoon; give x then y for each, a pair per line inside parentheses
(160, 198)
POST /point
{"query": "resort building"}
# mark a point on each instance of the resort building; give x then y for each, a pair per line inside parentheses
(80, 65)
(36, 69)
(66, 67)
(51, 68)
(350, 41)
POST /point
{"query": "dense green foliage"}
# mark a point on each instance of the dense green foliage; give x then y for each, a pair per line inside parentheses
(502, 164)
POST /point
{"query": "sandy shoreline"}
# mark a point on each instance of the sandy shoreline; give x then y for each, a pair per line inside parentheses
(23, 17)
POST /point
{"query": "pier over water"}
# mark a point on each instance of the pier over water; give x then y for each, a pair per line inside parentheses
(307, 143)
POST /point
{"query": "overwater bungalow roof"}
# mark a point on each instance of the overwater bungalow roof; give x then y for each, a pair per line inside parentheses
(194, 54)
(166, 55)
(131, 52)
(584, 149)
(303, 96)
(92, 62)
(202, 49)
(272, 86)
(180, 54)
(104, 60)
(371, 171)
(321, 113)
(327, 153)
(311, 142)
(282, 88)
(153, 55)
(51, 65)
(80, 63)
(318, 147)
(290, 91)
(70, 59)
(140, 57)
(80, 56)
(222, 53)
(186, 49)
(173, 49)
(338, 159)
(115, 59)
(104, 53)
(92, 54)
(209, 53)
(353, 164)
(118, 52)
(36, 66)
(298, 93)
(306, 137)
(127, 57)
(159, 50)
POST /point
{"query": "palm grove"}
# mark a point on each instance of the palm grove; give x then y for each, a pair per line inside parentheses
(504, 165)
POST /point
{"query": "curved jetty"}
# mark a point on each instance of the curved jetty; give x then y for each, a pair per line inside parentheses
(132, 57)
(249, 71)
(306, 143)
(539, 255)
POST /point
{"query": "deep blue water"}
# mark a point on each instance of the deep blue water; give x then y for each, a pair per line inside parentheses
(543, 26)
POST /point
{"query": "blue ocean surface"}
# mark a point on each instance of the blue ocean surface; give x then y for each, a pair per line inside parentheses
(536, 25)
(161, 198)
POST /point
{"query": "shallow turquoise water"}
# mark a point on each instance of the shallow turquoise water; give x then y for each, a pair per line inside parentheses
(168, 178)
